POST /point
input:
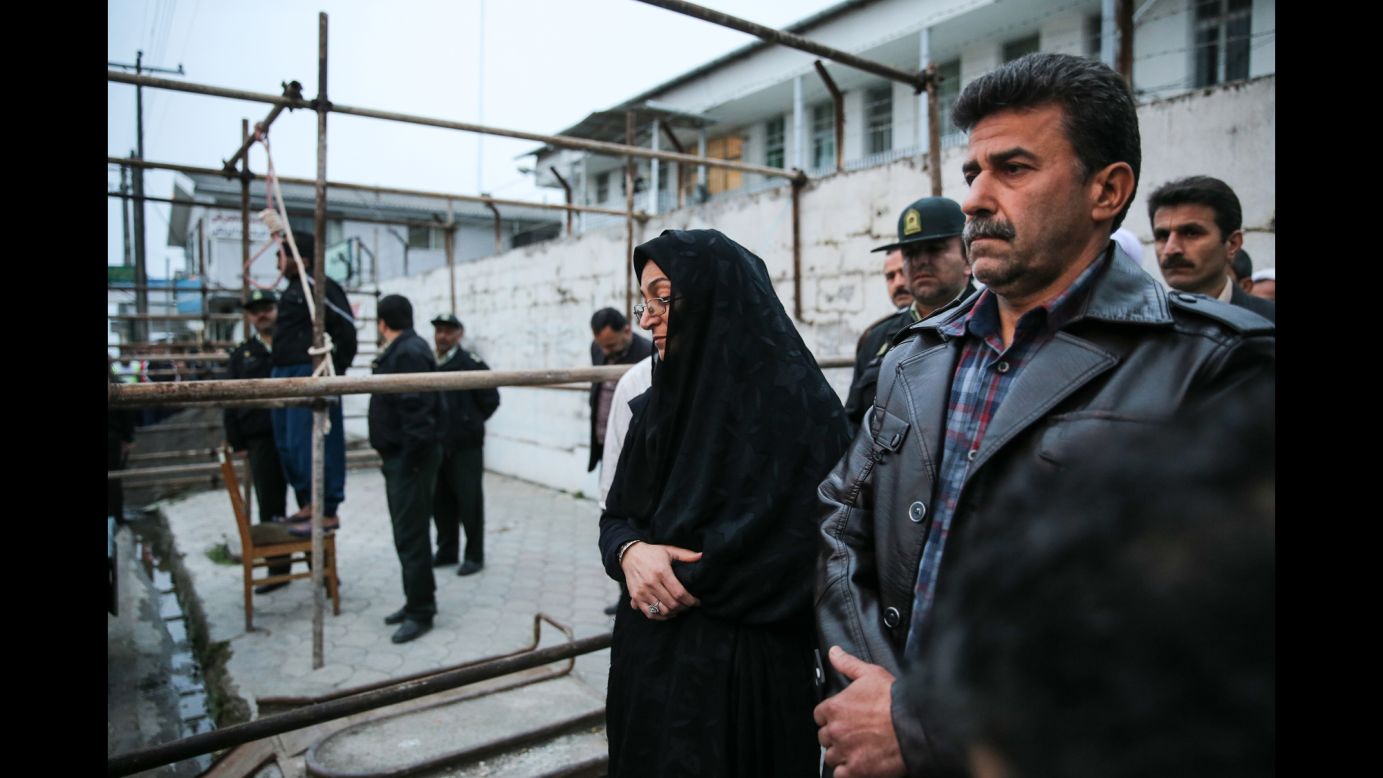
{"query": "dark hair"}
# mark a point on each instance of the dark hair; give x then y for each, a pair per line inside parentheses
(608, 317)
(1201, 190)
(396, 312)
(306, 244)
(1100, 117)
(1116, 618)
(1242, 265)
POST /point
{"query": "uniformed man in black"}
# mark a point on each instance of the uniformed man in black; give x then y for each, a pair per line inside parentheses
(404, 429)
(938, 274)
(249, 430)
(460, 500)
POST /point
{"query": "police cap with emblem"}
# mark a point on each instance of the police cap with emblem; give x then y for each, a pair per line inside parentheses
(260, 297)
(447, 318)
(927, 219)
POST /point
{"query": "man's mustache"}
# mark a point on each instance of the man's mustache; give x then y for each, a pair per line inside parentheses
(977, 229)
(1173, 263)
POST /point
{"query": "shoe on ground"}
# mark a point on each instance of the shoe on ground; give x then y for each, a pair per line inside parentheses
(271, 587)
(438, 560)
(303, 529)
(611, 610)
(470, 567)
(303, 514)
(397, 617)
(411, 630)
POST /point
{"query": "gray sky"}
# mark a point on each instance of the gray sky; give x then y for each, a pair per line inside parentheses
(546, 64)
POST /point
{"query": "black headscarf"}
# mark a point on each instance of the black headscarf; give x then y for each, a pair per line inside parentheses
(726, 450)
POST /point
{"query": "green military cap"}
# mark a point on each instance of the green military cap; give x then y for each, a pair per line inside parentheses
(261, 297)
(927, 219)
(446, 318)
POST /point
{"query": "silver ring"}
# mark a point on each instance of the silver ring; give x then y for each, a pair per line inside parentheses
(654, 609)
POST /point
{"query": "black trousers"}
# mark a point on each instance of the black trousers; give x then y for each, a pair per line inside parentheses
(460, 502)
(410, 505)
(270, 487)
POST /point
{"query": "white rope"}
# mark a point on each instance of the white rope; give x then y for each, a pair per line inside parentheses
(277, 222)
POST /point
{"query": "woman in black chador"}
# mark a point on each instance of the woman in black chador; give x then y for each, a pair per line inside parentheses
(710, 524)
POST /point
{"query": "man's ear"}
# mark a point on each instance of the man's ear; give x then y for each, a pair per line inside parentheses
(1234, 243)
(1111, 189)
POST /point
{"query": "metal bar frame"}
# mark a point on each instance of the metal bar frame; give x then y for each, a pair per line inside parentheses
(918, 81)
(838, 101)
(195, 170)
(559, 141)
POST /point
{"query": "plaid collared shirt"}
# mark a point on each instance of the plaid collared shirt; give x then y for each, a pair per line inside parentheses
(984, 374)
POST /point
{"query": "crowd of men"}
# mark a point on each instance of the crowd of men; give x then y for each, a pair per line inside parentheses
(430, 443)
(987, 414)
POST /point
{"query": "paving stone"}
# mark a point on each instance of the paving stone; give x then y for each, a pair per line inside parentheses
(540, 556)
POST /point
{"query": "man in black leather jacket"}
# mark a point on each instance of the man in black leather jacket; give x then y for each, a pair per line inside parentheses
(404, 429)
(1070, 341)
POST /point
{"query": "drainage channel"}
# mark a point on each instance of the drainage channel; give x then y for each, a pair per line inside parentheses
(174, 681)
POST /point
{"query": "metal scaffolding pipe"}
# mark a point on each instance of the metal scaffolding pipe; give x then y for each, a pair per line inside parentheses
(171, 316)
(183, 344)
(838, 100)
(796, 251)
(216, 356)
(566, 188)
(934, 129)
(628, 218)
(319, 409)
(208, 392)
(292, 210)
(916, 80)
(330, 710)
(194, 170)
(499, 235)
(559, 141)
(319, 386)
(291, 89)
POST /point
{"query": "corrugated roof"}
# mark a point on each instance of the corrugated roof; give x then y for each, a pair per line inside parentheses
(345, 203)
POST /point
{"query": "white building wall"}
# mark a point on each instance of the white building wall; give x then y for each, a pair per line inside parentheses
(1063, 34)
(1231, 135)
(979, 58)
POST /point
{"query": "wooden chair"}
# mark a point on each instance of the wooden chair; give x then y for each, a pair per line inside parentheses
(259, 542)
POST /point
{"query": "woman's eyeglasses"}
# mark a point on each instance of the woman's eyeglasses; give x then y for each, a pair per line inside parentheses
(657, 306)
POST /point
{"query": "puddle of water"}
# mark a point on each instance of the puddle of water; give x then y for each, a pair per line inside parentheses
(185, 673)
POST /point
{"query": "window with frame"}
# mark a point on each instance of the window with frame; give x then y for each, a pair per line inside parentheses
(1017, 48)
(1094, 35)
(602, 187)
(774, 142)
(823, 135)
(947, 92)
(878, 119)
(424, 238)
(1223, 30)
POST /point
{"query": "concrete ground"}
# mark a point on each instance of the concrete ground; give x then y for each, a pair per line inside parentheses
(540, 556)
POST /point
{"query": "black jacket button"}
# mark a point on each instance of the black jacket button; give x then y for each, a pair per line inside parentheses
(892, 618)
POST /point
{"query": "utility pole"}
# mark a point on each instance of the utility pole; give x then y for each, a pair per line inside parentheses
(140, 327)
(125, 209)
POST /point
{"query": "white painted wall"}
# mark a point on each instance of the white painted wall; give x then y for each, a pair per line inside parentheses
(529, 308)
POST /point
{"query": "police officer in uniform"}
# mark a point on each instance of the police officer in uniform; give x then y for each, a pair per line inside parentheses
(459, 500)
(938, 272)
(249, 430)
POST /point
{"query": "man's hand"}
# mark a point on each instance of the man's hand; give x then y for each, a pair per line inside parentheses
(648, 573)
(857, 724)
